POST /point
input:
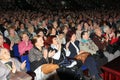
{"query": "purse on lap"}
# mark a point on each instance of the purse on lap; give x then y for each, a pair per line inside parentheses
(83, 56)
(48, 68)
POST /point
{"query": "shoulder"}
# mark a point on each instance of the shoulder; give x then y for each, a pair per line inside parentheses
(34, 51)
(77, 42)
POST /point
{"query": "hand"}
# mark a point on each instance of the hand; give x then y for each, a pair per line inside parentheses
(45, 52)
(59, 46)
(67, 45)
(51, 53)
(23, 65)
(11, 45)
(13, 67)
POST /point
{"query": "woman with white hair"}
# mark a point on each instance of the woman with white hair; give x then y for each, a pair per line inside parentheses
(8, 64)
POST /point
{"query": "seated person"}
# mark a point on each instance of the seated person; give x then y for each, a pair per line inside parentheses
(55, 45)
(39, 56)
(73, 46)
(8, 64)
(25, 44)
(102, 44)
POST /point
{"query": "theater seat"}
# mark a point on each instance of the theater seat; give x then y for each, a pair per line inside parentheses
(16, 52)
(23, 58)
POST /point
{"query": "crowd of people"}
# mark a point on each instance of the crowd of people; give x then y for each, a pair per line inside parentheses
(54, 36)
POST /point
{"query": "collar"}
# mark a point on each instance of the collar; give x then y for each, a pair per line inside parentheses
(84, 41)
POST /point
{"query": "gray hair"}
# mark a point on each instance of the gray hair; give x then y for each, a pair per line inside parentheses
(106, 28)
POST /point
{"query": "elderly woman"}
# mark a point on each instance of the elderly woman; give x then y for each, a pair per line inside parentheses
(8, 64)
(38, 56)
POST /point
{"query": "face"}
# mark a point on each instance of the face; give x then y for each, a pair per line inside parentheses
(22, 26)
(65, 30)
(98, 32)
(4, 54)
(55, 40)
(108, 31)
(73, 38)
(55, 24)
(40, 41)
(61, 36)
(41, 33)
(79, 27)
(12, 31)
(53, 31)
(25, 37)
(86, 36)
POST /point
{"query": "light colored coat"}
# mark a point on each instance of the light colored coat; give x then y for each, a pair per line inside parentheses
(4, 70)
(88, 46)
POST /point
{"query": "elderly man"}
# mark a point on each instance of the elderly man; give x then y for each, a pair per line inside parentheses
(101, 43)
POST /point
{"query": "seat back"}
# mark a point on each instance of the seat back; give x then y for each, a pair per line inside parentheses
(23, 58)
(16, 53)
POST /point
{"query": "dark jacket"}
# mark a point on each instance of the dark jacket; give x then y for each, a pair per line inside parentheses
(72, 49)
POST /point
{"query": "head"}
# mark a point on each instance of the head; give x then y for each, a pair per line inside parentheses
(61, 35)
(52, 40)
(30, 29)
(85, 35)
(79, 27)
(98, 32)
(38, 41)
(4, 54)
(24, 37)
(55, 24)
(22, 26)
(11, 30)
(65, 29)
(53, 31)
(107, 29)
(71, 36)
(40, 32)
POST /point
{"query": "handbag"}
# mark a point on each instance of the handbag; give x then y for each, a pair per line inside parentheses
(48, 68)
(82, 56)
(19, 76)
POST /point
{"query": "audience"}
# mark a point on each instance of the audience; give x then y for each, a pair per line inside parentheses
(73, 46)
(95, 31)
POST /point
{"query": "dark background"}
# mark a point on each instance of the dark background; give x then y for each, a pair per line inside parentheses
(59, 4)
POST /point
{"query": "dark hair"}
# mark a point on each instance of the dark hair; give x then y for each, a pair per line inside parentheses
(39, 30)
(69, 35)
(49, 41)
(83, 33)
